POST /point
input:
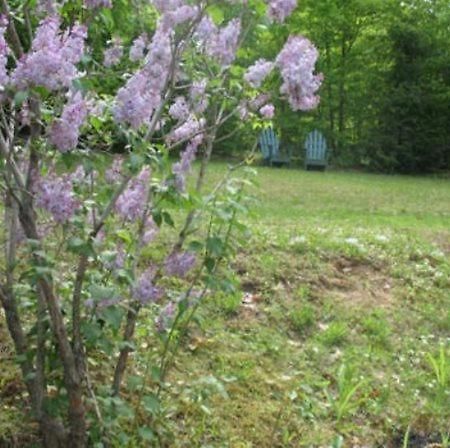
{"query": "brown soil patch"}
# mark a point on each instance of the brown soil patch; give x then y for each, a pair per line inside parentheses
(442, 241)
(358, 284)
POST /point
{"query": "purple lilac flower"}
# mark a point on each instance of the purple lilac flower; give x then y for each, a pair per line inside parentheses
(267, 111)
(137, 49)
(187, 130)
(119, 259)
(205, 29)
(150, 230)
(167, 5)
(55, 195)
(52, 60)
(137, 100)
(113, 54)
(178, 264)
(131, 203)
(182, 168)
(46, 6)
(145, 291)
(178, 16)
(296, 62)
(79, 175)
(4, 51)
(114, 173)
(179, 109)
(259, 101)
(223, 44)
(24, 114)
(165, 319)
(198, 96)
(243, 111)
(279, 10)
(258, 72)
(92, 4)
(65, 131)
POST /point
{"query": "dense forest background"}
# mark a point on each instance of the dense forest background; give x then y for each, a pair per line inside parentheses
(385, 100)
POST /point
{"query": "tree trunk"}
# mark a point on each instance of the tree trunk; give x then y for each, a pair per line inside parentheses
(72, 379)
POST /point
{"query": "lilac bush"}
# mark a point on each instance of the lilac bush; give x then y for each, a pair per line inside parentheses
(88, 153)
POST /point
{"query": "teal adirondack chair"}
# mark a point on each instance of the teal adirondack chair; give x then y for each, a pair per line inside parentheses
(316, 151)
(269, 144)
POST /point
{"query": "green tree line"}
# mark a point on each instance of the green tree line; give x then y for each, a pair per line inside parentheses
(385, 99)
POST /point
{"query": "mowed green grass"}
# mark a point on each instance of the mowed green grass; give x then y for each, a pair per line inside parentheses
(294, 196)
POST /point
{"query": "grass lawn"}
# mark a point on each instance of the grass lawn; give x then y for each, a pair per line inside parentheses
(339, 335)
(344, 309)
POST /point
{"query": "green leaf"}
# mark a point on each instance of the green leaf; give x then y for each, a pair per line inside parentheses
(20, 97)
(210, 263)
(151, 404)
(215, 246)
(195, 246)
(216, 14)
(125, 236)
(146, 434)
(99, 292)
(168, 219)
(79, 246)
(113, 317)
(42, 271)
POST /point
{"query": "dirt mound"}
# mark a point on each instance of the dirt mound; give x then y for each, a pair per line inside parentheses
(358, 284)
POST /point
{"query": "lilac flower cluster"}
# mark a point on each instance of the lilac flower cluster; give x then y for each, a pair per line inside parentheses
(131, 203)
(267, 111)
(296, 62)
(179, 109)
(167, 5)
(182, 168)
(138, 48)
(258, 72)
(165, 319)
(178, 264)
(179, 15)
(223, 44)
(4, 51)
(92, 4)
(114, 173)
(46, 6)
(205, 29)
(145, 291)
(259, 101)
(198, 97)
(55, 195)
(113, 54)
(187, 130)
(119, 259)
(137, 100)
(150, 230)
(52, 60)
(243, 111)
(279, 10)
(65, 131)
(220, 43)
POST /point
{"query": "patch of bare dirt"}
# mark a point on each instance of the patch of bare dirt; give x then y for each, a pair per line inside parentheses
(250, 305)
(357, 284)
(442, 241)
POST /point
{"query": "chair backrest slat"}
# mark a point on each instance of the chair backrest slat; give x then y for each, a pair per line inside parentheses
(316, 147)
(269, 143)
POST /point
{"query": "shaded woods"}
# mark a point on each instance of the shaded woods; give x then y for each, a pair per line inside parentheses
(386, 91)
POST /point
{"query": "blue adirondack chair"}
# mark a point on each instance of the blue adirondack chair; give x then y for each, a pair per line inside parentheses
(316, 151)
(269, 144)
